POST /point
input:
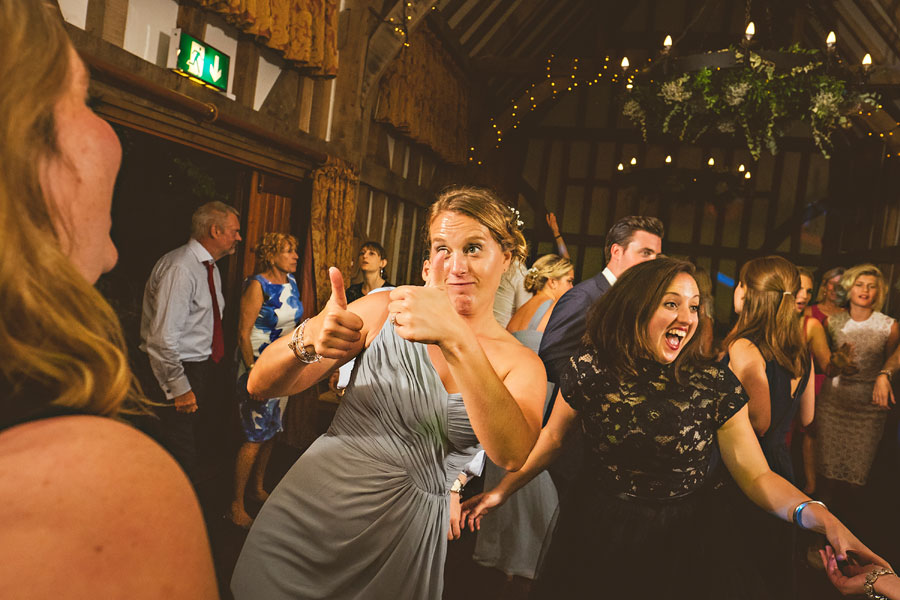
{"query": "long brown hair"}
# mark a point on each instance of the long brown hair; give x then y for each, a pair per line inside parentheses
(61, 341)
(768, 318)
(617, 323)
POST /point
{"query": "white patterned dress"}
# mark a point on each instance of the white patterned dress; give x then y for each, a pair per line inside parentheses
(848, 425)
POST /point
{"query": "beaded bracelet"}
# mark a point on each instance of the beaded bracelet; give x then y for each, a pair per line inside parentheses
(299, 350)
(798, 512)
(869, 585)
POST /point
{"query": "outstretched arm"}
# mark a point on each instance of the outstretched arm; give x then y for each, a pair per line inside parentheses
(745, 461)
(545, 451)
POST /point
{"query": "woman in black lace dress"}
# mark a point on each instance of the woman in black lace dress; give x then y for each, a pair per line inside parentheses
(640, 523)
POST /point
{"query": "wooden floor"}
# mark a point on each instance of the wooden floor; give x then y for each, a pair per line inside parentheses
(873, 516)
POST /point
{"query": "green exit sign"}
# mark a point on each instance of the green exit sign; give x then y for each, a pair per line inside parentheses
(198, 61)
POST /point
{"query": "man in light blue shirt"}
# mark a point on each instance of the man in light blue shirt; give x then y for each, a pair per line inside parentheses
(181, 325)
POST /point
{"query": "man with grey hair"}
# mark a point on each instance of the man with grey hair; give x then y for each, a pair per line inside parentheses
(181, 326)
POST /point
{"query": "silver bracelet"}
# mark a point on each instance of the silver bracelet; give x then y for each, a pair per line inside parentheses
(798, 512)
(299, 350)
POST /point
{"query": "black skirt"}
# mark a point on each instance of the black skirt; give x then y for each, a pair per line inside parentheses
(617, 547)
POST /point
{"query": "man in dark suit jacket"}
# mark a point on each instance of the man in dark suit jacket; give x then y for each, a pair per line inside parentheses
(630, 241)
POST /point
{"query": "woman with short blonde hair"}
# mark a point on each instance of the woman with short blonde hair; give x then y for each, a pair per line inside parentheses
(848, 424)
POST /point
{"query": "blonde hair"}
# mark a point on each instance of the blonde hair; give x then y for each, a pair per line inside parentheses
(485, 207)
(270, 245)
(769, 316)
(852, 274)
(547, 267)
(62, 342)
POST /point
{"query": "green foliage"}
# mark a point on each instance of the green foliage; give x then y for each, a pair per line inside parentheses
(754, 98)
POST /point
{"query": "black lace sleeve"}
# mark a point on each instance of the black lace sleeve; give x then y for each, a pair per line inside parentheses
(572, 380)
(731, 395)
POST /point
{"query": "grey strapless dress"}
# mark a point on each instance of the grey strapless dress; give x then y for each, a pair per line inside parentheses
(364, 512)
(512, 535)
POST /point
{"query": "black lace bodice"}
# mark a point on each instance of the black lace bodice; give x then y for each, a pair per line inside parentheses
(649, 436)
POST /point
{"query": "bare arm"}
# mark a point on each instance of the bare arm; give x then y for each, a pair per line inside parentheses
(745, 461)
(808, 398)
(251, 303)
(883, 393)
(336, 333)
(545, 451)
(505, 414)
(748, 365)
(557, 236)
(101, 511)
(818, 344)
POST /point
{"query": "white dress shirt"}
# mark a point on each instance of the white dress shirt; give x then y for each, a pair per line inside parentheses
(177, 318)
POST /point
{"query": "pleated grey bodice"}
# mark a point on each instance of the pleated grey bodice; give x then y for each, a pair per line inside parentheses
(397, 411)
(364, 512)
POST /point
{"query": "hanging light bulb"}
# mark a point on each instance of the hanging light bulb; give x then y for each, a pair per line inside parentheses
(633, 161)
(667, 43)
(750, 31)
(625, 63)
(668, 159)
(621, 167)
(747, 175)
(867, 61)
(711, 162)
(741, 169)
(831, 40)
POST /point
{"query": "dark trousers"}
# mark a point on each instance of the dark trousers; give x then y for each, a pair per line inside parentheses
(181, 433)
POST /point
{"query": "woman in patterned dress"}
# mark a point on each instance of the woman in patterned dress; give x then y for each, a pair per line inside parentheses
(848, 423)
(270, 308)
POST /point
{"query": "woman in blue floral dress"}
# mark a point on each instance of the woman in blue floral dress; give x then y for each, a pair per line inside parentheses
(270, 308)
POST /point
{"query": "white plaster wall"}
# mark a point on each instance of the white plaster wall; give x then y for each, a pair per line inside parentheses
(74, 11)
(146, 20)
(223, 41)
(266, 75)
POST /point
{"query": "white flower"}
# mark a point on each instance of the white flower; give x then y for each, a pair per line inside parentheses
(735, 94)
(674, 91)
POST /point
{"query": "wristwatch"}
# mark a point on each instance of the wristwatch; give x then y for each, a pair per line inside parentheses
(457, 486)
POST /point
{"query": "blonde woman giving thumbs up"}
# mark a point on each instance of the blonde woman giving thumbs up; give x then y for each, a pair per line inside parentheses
(364, 512)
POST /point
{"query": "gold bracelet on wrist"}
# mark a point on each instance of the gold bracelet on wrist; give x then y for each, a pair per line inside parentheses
(871, 578)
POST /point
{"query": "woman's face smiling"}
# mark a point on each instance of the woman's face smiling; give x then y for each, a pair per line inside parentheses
(466, 259)
(675, 320)
(864, 292)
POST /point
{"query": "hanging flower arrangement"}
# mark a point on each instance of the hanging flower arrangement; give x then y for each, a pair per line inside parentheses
(752, 96)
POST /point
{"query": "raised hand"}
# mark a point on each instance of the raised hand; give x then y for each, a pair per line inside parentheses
(424, 314)
(335, 332)
(551, 223)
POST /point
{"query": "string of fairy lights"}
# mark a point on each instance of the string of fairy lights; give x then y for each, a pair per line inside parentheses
(553, 83)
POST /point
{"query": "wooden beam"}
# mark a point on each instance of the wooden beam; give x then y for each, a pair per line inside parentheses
(382, 179)
(106, 20)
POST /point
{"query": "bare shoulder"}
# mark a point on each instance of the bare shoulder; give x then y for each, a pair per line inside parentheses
(744, 354)
(95, 508)
(515, 356)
